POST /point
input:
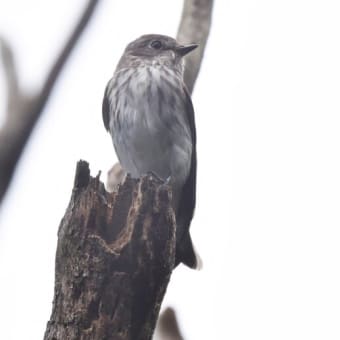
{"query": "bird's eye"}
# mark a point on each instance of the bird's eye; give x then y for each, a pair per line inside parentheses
(156, 44)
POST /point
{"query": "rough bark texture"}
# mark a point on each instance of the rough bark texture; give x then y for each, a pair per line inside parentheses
(114, 258)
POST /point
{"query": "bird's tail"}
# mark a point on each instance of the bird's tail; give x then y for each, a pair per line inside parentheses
(187, 254)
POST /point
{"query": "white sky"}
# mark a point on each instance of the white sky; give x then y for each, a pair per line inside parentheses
(268, 120)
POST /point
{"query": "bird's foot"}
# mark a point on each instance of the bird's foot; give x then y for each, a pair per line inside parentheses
(154, 176)
(168, 180)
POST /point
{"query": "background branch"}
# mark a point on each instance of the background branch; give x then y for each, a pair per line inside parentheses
(194, 27)
(14, 94)
(23, 111)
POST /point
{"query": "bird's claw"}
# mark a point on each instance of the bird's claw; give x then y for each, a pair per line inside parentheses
(168, 180)
(154, 175)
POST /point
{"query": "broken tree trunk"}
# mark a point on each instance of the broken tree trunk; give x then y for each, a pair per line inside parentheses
(114, 259)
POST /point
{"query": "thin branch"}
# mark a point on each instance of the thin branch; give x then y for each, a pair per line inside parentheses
(194, 28)
(65, 53)
(24, 111)
(11, 74)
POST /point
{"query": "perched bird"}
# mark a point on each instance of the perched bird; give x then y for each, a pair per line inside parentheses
(149, 114)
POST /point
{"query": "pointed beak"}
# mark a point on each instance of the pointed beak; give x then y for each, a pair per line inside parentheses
(183, 50)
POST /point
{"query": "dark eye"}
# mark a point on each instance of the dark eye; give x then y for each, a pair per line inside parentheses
(156, 44)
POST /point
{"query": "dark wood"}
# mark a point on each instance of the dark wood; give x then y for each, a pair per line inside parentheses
(114, 259)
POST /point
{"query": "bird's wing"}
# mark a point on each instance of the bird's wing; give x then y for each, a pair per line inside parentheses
(185, 251)
(188, 196)
(106, 108)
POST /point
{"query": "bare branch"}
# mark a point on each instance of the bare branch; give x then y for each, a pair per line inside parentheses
(194, 27)
(65, 53)
(23, 111)
(11, 74)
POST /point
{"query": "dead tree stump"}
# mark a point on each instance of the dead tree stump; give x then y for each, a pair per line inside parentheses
(114, 259)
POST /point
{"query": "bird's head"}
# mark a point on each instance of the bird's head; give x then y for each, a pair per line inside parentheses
(153, 49)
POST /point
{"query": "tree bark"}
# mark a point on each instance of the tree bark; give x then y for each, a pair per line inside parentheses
(114, 259)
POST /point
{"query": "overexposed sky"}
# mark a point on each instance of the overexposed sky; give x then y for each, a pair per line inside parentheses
(267, 104)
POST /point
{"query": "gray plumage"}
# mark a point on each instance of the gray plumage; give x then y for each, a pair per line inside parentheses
(150, 116)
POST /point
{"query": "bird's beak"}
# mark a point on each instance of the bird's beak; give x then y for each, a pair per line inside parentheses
(183, 50)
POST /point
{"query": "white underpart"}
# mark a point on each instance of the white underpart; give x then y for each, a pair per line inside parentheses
(148, 133)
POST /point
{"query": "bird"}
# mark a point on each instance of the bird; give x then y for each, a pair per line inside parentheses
(148, 111)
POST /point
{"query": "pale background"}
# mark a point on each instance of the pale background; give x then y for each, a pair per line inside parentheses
(268, 120)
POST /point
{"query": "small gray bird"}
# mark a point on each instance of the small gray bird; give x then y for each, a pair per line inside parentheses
(149, 114)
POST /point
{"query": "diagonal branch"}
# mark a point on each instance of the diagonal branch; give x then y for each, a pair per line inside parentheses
(65, 53)
(24, 111)
(194, 27)
(11, 75)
